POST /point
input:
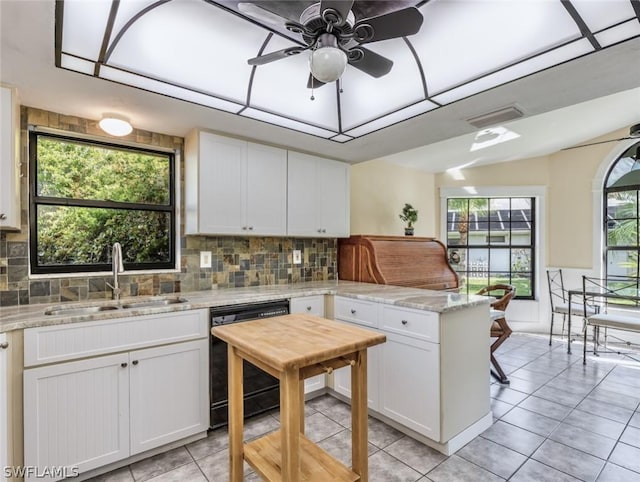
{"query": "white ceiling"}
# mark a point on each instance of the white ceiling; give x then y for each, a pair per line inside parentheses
(564, 105)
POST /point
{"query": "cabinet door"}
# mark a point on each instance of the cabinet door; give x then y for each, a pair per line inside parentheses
(313, 305)
(222, 184)
(4, 390)
(9, 160)
(334, 198)
(266, 191)
(169, 393)
(342, 378)
(303, 215)
(410, 381)
(76, 414)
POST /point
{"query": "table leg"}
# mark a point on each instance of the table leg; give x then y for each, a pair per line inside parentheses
(569, 327)
(359, 429)
(301, 390)
(236, 415)
(290, 417)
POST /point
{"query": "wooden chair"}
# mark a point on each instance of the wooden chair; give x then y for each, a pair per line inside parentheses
(500, 329)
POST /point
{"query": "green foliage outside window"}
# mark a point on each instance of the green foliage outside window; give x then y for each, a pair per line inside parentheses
(90, 195)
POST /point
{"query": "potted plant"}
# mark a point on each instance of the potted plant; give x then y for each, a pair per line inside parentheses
(409, 215)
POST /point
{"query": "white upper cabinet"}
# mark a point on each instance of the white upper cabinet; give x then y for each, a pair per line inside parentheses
(318, 197)
(234, 187)
(9, 159)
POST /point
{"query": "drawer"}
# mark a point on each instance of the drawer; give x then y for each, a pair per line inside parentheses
(424, 325)
(56, 343)
(313, 305)
(356, 311)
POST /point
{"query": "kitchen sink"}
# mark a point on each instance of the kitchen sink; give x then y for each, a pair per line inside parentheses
(131, 305)
(153, 303)
(87, 310)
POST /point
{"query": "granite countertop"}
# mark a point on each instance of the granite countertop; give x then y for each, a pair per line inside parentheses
(21, 317)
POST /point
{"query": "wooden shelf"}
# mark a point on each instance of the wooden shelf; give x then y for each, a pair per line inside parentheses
(316, 465)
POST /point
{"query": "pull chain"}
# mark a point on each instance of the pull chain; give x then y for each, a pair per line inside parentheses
(313, 79)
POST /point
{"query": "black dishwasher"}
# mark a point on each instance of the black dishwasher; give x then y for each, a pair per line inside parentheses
(261, 390)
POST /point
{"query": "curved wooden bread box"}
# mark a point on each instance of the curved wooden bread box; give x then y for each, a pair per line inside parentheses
(414, 262)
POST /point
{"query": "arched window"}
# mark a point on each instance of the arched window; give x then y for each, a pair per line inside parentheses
(621, 215)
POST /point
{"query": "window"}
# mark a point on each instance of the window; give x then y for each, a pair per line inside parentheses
(492, 241)
(620, 220)
(86, 195)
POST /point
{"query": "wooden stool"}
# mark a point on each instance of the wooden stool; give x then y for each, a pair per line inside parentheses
(292, 348)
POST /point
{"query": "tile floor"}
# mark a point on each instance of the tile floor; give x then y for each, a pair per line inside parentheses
(557, 421)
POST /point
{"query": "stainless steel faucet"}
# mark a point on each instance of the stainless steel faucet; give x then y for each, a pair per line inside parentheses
(118, 267)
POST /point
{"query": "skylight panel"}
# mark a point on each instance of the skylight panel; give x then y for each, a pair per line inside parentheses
(402, 114)
(600, 14)
(83, 22)
(619, 33)
(464, 40)
(187, 43)
(284, 122)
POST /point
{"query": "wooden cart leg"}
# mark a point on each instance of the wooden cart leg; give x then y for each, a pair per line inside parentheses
(236, 416)
(359, 429)
(290, 407)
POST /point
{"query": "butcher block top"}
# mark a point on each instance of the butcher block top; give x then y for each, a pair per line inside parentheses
(296, 340)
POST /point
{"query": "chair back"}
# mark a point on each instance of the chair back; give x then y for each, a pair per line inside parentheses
(557, 293)
(508, 293)
(621, 291)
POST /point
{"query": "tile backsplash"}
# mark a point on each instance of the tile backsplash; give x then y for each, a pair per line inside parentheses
(236, 261)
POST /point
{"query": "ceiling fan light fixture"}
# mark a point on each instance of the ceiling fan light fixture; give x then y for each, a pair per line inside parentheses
(115, 125)
(327, 62)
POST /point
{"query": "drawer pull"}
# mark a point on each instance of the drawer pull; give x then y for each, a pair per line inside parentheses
(350, 361)
(4, 345)
(353, 312)
(123, 365)
(308, 308)
(3, 216)
(404, 322)
(135, 362)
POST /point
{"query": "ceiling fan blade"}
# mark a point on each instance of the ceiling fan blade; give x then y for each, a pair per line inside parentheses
(400, 23)
(313, 83)
(596, 143)
(264, 15)
(372, 63)
(341, 7)
(277, 55)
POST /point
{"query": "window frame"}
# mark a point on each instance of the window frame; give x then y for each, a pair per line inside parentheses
(35, 201)
(502, 193)
(606, 248)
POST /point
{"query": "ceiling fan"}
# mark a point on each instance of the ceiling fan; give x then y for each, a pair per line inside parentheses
(335, 38)
(634, 133)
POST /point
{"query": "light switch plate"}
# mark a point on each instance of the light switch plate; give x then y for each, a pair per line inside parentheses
(297, 256)
(205, 259)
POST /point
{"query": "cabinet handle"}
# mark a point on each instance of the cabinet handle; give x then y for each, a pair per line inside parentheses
(353, 312)
(4, 345)
(324, 230)
(135, 362)
(250, 228)
(3, 216)
(308, 308)
(244, 228)
(404, 322)
(319, 230)
(123, 365)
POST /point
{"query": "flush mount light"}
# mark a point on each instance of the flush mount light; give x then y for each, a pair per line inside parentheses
(115, 124)
(327, 62)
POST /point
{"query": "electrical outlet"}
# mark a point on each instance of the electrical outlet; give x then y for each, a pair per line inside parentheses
(205, 259)
(297, 256)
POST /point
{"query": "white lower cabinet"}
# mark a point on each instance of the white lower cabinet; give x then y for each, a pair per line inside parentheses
(363, 314)
(90, 412)
(413, 401)
(313, 305)
(4, 390)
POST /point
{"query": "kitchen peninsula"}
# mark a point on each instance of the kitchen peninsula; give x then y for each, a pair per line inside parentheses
(430, 379)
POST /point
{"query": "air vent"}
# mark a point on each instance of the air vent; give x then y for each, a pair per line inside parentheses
(496, 117)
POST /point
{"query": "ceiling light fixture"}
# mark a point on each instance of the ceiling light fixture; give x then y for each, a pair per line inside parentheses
(327, 62)
(115, 124)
